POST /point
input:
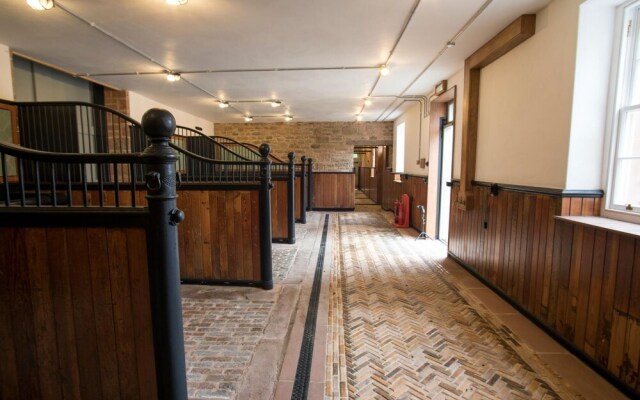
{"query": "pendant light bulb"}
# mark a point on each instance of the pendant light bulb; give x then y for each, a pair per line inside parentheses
(248, 118)
(176, 2)
(223, 104)
(173, 77)
(40, 5)
(275, 103)
(288, 118)
(384, 70)
(359, 117)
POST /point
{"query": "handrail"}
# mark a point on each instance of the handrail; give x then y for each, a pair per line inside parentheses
(271, 156)
(39, 155)
(209, 139)
(212, 160)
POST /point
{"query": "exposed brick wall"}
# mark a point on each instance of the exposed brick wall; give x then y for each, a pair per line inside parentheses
(117, 100)
(330, 144)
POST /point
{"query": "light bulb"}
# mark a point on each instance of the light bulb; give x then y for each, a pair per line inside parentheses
(359, 117)
(40, 5)
(223, 104)
(173, 77)
(276, 103)
(176, 2)
(451, 43)
(248, 118)
(367, 102)
(384, 70)
(288, 118)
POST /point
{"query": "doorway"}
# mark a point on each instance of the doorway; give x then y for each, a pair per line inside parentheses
(444, 178)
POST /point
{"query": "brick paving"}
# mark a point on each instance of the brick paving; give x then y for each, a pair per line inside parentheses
(402, 329)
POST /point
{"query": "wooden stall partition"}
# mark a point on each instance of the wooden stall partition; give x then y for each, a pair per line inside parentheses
(220, 238)
(76, 319)
(333, 191)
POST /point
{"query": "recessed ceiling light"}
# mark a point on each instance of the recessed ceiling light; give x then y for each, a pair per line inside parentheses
(384, 70)
(176, 2)
(248, 118)
(367, 101)
(359, 117)
(288, 118)
(173, 76)
(223, 104)
(275, 103)
(40, 5)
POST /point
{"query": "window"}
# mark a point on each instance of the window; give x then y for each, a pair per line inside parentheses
(399, 149)
(624, 181)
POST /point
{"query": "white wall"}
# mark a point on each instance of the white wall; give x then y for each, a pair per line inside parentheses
(457, 80)
(6, 80)
(588, 124)
(525, 104)
(416, 139)
(139, 104)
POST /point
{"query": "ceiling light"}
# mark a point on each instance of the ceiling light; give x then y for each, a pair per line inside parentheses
(40, 4)
(248, 118)
(367, 102)
(176, 2)
(223, 104)
(384, 70)
(451, 43)
(358, 117)
(173, 76)
(288, 118)
(275, 103)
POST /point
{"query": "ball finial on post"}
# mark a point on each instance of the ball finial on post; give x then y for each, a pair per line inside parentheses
(291, 156)
(158, 124)
(264, 150)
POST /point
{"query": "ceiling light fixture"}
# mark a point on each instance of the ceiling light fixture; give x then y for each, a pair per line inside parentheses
(176, 2)
(173, 76)
(288, 118)
(275, 103)
(358, 117)
(367, 101)
(384, 70)
(450, 44)
(223, 104)
(248, 118)
(40, 5)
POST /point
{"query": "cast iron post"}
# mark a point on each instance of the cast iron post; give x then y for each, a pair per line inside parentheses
(265, 218)
(291, 202)
(303, 190)
(310, 187)
(164, 264)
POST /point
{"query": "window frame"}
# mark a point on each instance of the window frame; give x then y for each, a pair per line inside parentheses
(624, 68)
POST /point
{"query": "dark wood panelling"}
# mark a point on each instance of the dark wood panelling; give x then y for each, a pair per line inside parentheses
(76, 320)
(333, 190)
(298, 197)
(219, 238)
(416, 187)
(580, 281)
(279, 221)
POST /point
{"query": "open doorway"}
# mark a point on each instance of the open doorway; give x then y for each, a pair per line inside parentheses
(444, 176)
(367, 162)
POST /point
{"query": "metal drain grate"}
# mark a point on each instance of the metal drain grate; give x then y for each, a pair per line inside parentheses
(303, 371)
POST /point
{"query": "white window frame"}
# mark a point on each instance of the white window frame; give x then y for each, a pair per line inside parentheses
(624, 68)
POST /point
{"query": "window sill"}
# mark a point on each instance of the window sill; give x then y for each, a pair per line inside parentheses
(626, 228)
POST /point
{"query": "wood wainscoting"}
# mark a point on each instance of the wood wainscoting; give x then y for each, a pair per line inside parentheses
(415, 186)
(76, 314)
(333, 191)
(580, 283)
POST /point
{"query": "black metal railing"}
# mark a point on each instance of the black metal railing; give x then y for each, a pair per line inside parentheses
(50, 197)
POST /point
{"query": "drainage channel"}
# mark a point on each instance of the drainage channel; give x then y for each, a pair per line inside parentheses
(303, 370)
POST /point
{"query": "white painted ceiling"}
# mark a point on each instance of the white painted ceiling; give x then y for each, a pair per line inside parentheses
(111, 41)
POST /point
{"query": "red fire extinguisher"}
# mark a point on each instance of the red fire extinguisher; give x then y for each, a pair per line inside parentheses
(402, 215)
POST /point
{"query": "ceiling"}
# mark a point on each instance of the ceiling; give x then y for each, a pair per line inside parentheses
(320, 58)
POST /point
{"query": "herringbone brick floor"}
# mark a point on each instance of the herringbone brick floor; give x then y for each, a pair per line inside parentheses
(400, 328)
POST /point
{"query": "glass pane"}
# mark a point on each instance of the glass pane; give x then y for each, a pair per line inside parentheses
(626, 188)
(629, 140)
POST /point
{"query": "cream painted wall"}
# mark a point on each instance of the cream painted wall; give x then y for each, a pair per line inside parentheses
(6, 79)
(457, 80)
(526, 102)
(139, 104)
(416, 139)
(588, 121)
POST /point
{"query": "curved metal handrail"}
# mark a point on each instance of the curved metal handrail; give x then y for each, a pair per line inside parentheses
(79, 158)
(210, 139)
